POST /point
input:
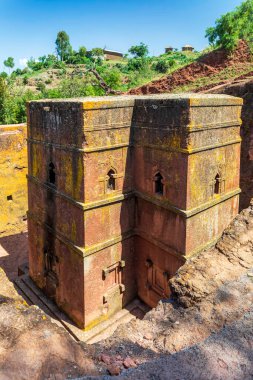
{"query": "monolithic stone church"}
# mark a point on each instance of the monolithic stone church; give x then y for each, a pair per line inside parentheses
(122, 190)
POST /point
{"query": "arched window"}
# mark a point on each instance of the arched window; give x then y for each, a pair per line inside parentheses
(159, 184)
(111, 180)
(217, 184)
(51, 173)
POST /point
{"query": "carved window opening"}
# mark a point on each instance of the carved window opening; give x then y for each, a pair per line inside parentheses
(159, 186)
(111, 184)
(51, 174)
(217, 184)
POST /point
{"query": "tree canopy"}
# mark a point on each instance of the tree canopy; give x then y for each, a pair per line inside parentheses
(139, 51)
(9, 62)
(63, 46)
(233, 26)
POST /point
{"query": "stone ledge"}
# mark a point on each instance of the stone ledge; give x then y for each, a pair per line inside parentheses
(159, 202)
(189, 150)
(130, 144)
(188, 213)
(76, 149)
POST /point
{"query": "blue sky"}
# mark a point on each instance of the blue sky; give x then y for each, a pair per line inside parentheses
(29, 27)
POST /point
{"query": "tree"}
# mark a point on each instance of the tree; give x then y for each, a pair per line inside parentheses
(9, 62)
(63, 46)
(95, 56)
(3, 94)
(97, 53)
(233, 26)
(139, 51)
(31, 63)
(82, 51)
(3, 75)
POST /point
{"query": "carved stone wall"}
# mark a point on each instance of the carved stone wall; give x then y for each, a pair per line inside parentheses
(13, 170)
(122, 190)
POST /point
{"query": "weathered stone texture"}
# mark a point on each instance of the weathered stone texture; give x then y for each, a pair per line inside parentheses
(13, 170)
(122, 190)
(245, 91)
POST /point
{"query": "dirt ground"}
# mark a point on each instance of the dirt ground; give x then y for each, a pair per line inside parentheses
(226, 355)
(31, 346)
(203, 332)
(14, 252)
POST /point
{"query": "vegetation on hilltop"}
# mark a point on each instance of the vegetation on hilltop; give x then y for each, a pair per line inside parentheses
(73, 73)
(232, 27)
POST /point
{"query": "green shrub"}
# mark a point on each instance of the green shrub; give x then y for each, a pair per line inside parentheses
(111, 75)
(136, 64)
(25, 79)
(41, 86)
(59, 65)
(161, 66)
(3, 75)
(72, 88)
(13, 103)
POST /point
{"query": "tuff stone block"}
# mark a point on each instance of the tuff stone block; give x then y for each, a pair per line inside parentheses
(122, 190)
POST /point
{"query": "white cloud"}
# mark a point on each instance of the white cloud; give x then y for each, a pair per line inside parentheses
(23, 62)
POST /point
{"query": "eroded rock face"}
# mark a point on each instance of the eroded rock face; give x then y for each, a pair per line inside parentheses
(13, 170)
(245, 91)
(203, 275)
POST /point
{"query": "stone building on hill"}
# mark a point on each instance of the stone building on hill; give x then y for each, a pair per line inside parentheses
(111, 55)
(169, 49)
(187, 48)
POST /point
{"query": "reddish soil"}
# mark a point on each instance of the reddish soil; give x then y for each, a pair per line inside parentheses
(180, 77)
(207, 65)
(220, 58)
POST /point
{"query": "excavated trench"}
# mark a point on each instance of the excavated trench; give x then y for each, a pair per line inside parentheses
(203, 331)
